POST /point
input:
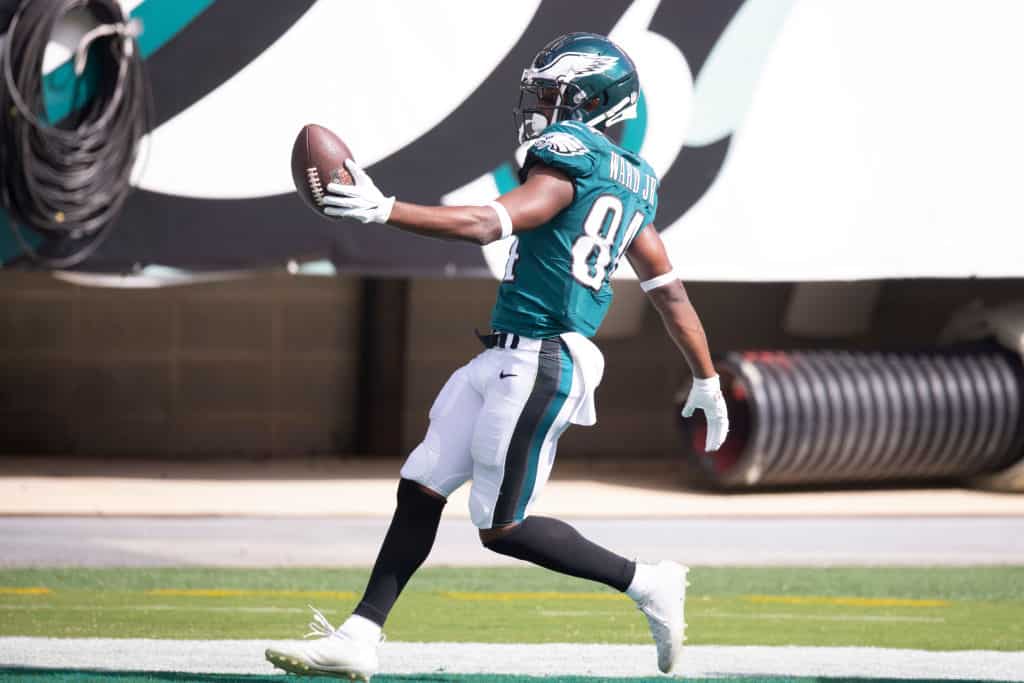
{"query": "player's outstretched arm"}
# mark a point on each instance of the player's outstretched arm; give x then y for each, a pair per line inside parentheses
(545, 193)
(650, 261)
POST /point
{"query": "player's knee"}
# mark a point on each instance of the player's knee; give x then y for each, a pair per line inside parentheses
(428, 491)
(489, 536)
(415, 496)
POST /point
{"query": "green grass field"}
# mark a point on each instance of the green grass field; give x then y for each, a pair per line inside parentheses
(925, 608)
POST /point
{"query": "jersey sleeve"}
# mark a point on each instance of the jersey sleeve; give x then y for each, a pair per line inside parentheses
(564, 148)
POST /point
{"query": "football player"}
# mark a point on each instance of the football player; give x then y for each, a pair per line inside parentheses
(583, 204)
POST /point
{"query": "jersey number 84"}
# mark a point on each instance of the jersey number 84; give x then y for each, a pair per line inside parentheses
(593, 260)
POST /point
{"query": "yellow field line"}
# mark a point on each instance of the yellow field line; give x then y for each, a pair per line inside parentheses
(845, 602)
(552, 595)
(233, 593)
(25, 591)
(713, 614)
(769, 599)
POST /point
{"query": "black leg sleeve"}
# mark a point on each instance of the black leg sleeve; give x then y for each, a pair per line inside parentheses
(406, 545)
(555, 545)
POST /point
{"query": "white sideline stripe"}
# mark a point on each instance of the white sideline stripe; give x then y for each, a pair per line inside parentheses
(246, 657)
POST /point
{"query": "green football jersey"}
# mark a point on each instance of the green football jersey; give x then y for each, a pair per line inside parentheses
(558, 276)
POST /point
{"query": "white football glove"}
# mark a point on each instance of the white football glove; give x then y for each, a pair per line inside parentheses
(361, 201)
(706, 394)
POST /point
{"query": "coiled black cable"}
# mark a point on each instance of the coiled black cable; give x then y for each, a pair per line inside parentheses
(69, 180)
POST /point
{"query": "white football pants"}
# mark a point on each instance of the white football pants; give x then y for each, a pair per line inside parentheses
(497, 421)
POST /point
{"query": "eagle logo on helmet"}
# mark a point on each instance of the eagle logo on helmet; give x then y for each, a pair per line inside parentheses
(570, 65)
(560, 143)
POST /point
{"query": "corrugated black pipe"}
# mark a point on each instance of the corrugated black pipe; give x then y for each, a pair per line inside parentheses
(835, 417)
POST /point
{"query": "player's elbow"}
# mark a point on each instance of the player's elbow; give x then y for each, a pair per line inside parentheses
(491, 223)
(485, 235)
(472, 234)
(484, 230)
(472, 231)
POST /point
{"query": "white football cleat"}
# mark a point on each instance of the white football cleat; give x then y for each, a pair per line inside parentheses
(334, 653)
(663, 607)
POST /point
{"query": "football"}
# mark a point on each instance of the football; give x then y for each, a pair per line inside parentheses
(318, 158)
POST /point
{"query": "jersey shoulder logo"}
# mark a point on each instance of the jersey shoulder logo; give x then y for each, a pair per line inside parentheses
(560, 143)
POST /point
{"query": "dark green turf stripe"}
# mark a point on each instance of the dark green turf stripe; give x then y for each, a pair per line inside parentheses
(10, 675)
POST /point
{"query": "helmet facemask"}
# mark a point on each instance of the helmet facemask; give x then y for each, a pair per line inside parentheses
(543, 103)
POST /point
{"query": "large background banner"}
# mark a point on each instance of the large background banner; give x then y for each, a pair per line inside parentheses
(796, 140)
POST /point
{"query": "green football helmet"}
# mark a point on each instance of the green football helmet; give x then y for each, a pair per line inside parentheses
(576, 77)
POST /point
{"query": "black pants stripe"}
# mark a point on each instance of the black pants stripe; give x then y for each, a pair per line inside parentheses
(517, 460)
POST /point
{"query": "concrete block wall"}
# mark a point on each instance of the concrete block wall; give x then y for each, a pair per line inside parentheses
(269, 365)
(259, 366)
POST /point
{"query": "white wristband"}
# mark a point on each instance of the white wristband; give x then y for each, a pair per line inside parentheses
(659, 281)
(503, 218)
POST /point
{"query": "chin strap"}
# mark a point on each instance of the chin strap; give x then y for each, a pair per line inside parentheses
(622, 110)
